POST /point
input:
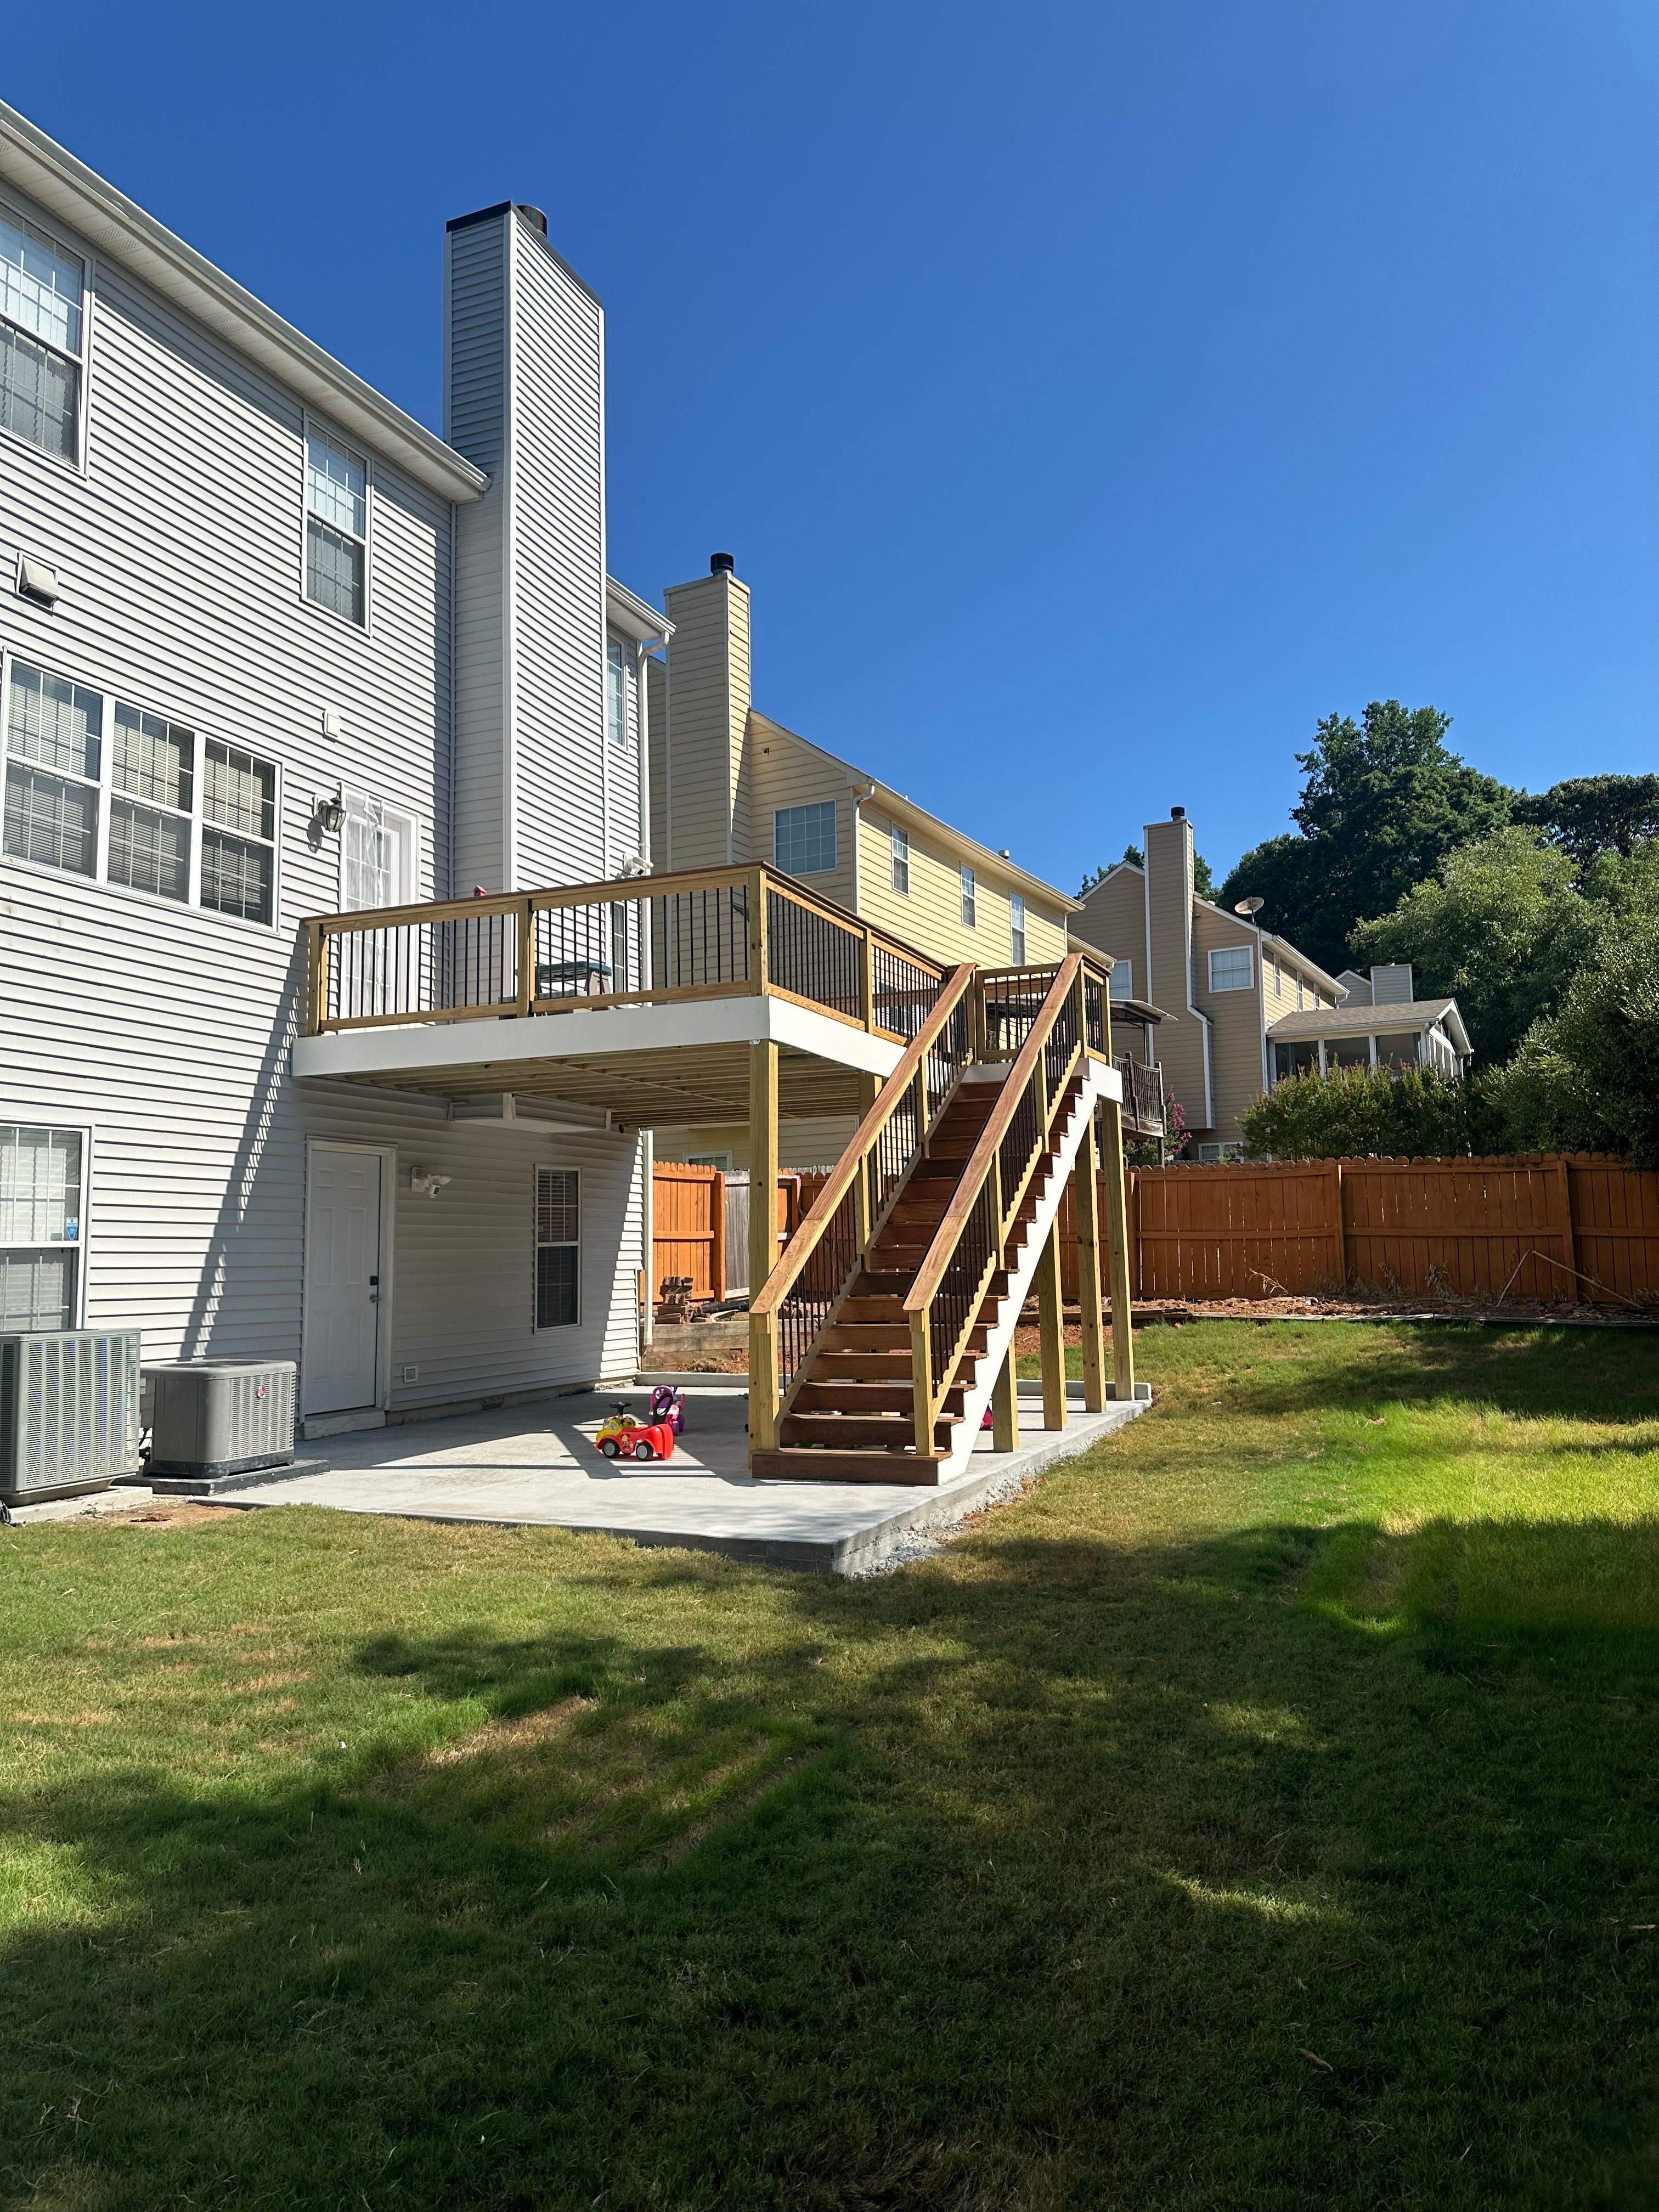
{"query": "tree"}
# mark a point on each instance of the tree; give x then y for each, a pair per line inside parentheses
(1592, 814)
(1132, 854)
(1501, 927)
(1358, 1112)
(1383, 801)
(1586, 1078)
(1203, 881)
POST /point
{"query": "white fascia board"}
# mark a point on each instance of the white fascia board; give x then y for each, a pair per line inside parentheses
(636, 617)
(112, 224)
(604, 1034)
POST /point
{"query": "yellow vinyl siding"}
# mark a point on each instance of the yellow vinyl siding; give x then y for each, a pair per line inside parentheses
(696, 745)
(785, 771)
(930, 916)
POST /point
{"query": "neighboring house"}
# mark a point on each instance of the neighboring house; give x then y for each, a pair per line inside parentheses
(270, 649)
(1380, 1024)
(1243, 1007)
(729, 784)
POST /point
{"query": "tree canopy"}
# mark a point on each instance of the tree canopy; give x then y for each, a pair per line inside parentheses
(1592, 814)
(1383, 801)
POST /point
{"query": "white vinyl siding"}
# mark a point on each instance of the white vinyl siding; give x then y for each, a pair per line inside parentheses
(336, 530)
(1232, 967)
(804, 839)
(42, 344)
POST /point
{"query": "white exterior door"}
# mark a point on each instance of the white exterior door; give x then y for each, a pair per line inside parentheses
(341, 1360)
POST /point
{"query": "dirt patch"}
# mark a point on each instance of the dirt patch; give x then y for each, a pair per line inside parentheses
(168, 1513)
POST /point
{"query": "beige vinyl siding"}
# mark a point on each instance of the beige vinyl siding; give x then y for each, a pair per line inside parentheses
(694, 745)
(1113, 919)
(930, 917)
(1183, 1041)
(787, 772)
(1236, 1037)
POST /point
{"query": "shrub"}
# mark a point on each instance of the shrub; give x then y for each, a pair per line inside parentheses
(1354, 1112)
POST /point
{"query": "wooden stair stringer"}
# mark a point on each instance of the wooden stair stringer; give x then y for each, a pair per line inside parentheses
(1000, 1327)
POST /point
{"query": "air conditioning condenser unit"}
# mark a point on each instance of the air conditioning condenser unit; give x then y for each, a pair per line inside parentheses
(68, 1412)
(210, 1417)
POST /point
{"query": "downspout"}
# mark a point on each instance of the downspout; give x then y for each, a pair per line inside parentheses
(642, 649)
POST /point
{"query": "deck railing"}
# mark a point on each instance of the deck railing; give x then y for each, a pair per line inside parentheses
(943, 1304)
(714, 933)
(806, 1288)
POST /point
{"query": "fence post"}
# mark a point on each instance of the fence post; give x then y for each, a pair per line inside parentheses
(1569, 1242)
(1339, 1227)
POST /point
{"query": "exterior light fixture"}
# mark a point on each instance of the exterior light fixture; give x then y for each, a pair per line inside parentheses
(331, 815)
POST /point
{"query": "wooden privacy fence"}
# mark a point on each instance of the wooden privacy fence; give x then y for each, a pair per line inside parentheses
(1559, 1229)
(688, 1224)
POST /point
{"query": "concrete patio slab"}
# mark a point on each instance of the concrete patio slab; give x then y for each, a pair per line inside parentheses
(538, 1467)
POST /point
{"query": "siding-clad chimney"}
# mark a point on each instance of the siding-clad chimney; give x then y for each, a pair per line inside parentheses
(1183, 1044)
(1393, 985)
(699, 750)
(524, 398)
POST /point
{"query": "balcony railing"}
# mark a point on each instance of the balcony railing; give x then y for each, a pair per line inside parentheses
(722, 933)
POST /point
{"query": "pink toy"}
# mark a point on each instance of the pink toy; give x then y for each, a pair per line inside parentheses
(668, 1406)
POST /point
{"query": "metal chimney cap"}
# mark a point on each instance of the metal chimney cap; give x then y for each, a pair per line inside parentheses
(533, 216)
(1177, 814)
(721, 564)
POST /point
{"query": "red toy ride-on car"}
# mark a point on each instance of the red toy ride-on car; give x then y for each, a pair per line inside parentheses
(623, 1437)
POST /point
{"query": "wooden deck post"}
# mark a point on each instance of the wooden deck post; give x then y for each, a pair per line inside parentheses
(1004, 1407)
(316, 988)
(717, 1226)
(1117, 1257)
(1051, 1325)
(867, 979)
(863, 1213)
(1085, 1204)
(763, 1241)
(759, 948)
(524, 924)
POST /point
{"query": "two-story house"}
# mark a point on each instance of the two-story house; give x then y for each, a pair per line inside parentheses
(730, 784)
(1248, 1007)
(269, 648)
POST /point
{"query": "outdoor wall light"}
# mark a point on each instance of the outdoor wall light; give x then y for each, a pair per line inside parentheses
(331, 815)
(425, 1185)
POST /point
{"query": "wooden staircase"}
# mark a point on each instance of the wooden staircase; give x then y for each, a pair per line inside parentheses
(851, 1416)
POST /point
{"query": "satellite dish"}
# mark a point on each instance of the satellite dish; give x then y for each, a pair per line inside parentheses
(1249, 908)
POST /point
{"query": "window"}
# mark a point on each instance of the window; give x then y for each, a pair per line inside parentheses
(558, 1248)
(1211, 1156)
(183, 820)
(804, 839)
(41, 314)
(1397, 1051)
(969, 907)
(616, 692)
(720, 1160)
(1231, 967)
(1123, 980)
(336, 530)
(902, 860)
(40, 1227)
(1294, 1060)
(1017, 929)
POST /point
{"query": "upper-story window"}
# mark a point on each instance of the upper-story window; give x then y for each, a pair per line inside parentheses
(616, 691)
(1231, 967)
(969, 900)
(42, 314)
(902, 861)
(804, 839)
(1123, 979)
(98, 787)
(336, 530)
(1017, 929)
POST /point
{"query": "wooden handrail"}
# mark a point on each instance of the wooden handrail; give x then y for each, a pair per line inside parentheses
(921, 1292)
(808, 1236)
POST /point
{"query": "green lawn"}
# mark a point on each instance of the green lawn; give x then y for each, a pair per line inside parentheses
(1262, 1813)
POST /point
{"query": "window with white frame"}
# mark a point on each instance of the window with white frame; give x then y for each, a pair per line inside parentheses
(1213, 1155)
(1123, 979)
(558, 1248)
(42, 350)
(336, 530)
(901, 861)
(616, 673)
(1231, 967)
(969, 900)
(1017, 929)
(41, 1226)
(181, 817)
(804, 839)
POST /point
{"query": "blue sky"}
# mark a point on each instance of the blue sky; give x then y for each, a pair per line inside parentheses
(1092, 396)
